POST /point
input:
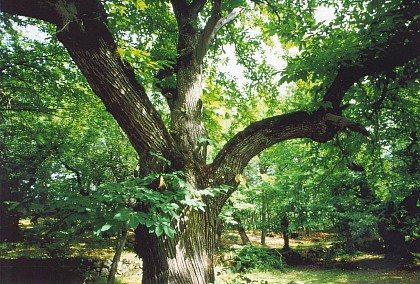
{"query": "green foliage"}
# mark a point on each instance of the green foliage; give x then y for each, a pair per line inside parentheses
(57, 140)
(114, 206)
(157, 208)
(249, 258)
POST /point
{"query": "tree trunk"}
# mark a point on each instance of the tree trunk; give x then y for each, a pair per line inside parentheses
(285, 231)
(9, 219)
(122, 238)
(263, 220)
(240, 228)
(9, 191)
(242, 233)
(219, 231)
(187, 258)
(389, 228)
(254, 221)
(349, 246)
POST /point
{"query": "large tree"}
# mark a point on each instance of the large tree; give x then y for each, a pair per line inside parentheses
(388, 37)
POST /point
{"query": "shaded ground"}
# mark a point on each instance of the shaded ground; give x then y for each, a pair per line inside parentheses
(42, 271)
(29, 262)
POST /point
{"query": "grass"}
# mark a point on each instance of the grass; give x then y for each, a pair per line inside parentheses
(372, 273)
(91, 249)
(306, 275)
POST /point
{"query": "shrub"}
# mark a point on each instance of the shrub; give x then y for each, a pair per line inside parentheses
(250, 258)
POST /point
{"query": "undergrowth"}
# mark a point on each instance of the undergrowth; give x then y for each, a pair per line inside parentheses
(251, 258)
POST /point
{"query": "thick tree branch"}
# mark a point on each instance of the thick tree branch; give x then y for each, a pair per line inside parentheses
(401, 48)
(235, 155)
(82, 29)
(185, 11)
(319, 126)
(216, 15)
(39, 9)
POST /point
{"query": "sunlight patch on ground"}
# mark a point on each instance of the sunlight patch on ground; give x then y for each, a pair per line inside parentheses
(21, 250)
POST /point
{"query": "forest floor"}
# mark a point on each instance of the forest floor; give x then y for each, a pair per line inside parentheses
(31, 261)
(358, 268)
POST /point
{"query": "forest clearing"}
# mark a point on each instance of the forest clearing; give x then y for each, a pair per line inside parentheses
(32, 261)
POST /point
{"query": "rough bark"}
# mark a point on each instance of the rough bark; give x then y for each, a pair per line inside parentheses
(186, 258)
(82, 28)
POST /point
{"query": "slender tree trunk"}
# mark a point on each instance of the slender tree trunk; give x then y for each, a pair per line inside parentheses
(254, 221)
(242, 233)
(263, 220)
(285, 231)
(122, 238)
(349, 246)
(241, 230)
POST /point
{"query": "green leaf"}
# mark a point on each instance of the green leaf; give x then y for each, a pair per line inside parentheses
(123, 215)
(169, 231)
(158, 230)
(140, 4)
(133, 221)
(149, 222)
(106, 227)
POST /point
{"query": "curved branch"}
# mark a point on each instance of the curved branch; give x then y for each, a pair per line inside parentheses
(235, 155)
(319, 126)
(399, 49)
